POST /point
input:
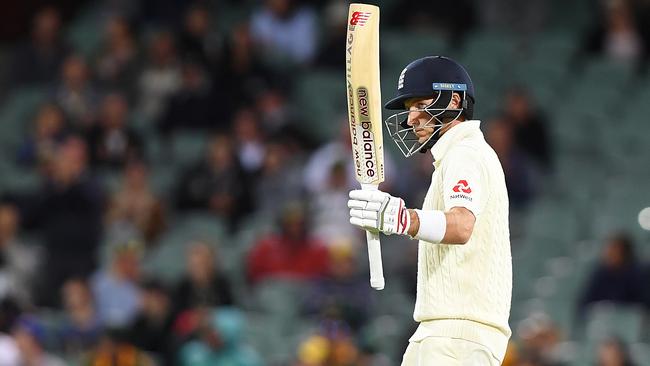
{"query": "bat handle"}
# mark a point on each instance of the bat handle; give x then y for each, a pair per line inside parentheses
(374, 253)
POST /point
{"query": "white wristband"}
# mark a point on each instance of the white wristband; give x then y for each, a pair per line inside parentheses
(433, 226)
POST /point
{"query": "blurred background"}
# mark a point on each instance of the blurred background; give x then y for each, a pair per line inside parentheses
(174, 177)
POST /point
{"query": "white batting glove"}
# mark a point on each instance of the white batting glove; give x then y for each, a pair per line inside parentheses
(378, 211)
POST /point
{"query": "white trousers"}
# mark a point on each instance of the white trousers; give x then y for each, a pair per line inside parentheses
(444, 351)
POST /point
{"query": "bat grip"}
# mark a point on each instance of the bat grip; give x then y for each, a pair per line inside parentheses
(374, 253)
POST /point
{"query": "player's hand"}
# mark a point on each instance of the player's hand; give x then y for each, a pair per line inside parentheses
(378, 211)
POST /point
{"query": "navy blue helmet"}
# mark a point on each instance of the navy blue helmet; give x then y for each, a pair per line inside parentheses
(436, 77)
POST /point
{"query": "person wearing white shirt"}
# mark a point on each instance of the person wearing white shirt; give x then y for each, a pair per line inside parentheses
(464, 283)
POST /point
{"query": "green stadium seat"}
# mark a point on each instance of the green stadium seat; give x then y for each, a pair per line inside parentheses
(320, 97)
(488, 48)
(605, 74)
(188, 148)
(573, 16)
(16, 116)
(398, 49)
(280, 297)
(553, 49)
(606, 319)
(167, 258)
(20, 180)
(388, 334)
(264, 332)
(86, 31)
(640, 353)
(164, 179)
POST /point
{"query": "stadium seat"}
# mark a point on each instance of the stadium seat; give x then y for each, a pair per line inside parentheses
(606, 319)
(188, 148)
(399, 49)
(86, 31)
(19, 180)
(167, 258)
(320, 98)
(16, 116)
(388, 333)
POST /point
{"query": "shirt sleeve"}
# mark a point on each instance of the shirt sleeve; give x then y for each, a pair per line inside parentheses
(464, 183)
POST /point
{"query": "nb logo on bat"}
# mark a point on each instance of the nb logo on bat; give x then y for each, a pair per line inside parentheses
(359, 18)
(462, 186)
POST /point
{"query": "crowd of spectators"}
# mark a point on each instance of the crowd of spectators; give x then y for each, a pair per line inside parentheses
(72, 251)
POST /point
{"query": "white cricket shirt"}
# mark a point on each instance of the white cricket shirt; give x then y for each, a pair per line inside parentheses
(464, 291)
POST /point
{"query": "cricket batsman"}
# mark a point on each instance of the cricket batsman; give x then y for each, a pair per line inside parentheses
(464, 278)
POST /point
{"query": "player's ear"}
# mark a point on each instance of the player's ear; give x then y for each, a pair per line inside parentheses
(455, 102)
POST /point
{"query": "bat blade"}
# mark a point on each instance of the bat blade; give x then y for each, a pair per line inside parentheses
(363, 93)
(364, 112)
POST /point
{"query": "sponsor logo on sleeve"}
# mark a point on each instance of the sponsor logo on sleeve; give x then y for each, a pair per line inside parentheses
(462, 190)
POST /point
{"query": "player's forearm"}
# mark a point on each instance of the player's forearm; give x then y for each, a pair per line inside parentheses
(458, 224)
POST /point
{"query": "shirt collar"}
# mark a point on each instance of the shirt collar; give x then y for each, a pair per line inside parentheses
(452, 136)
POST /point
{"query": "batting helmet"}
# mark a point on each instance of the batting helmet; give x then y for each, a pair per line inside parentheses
(436, 77)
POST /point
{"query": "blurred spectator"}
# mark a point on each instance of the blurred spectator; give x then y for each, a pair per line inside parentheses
(204, 285)
(112, 141)
(321, 161)
(115, 288)
(48, 131)
(118, 61)
(112, 350)
(344, 294)
(286, 30)
(161, 76)
(540, 341)
(613, 352)
(76, 94)
(336, 18)
(616, 34)
(274, 111)
(200, 39)
(151, 330)
(616, 277)
(9, 352)
(291, 253)
(157, 13)
(39, 61)
(220, 342)
(332, 345)
(10, 311)
(249, 140)
(279, 179)
(67, 210)
(135, 207)
(217, 183)
(530, 127)
(18, 262)
(413, 186)
(455, 20)
(329, 208)
(516, 166)
(80, 330)
(244, 74)
(193, 105)
(30, 338)
(521, 18)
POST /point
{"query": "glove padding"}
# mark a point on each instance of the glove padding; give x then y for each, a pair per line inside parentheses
(378, 211)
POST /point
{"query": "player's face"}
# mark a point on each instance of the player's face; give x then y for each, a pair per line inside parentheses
(421, 121)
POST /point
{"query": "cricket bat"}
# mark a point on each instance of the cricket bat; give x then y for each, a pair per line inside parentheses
(364, 113)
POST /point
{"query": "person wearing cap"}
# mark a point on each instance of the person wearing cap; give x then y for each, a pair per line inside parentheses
(464, 274)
